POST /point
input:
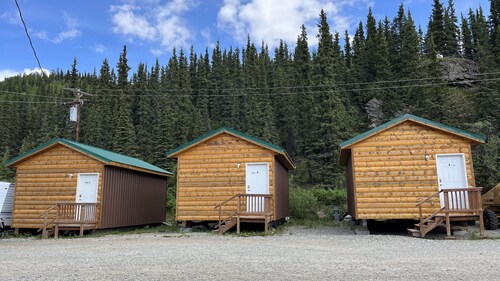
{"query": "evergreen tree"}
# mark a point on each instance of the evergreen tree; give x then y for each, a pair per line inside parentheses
(284, 102)
(307, 107)
(6, 174)
(466, 39)
(124, 134)
(141, 113)
(74, 76)
(436, 27)
(450, 46)
(333, 119)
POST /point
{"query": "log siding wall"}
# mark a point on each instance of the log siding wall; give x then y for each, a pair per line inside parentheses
(208, 174)
(45, 180)
(391, 174)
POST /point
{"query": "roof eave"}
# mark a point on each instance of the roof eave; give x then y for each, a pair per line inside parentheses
(175, 152)
(408, 117)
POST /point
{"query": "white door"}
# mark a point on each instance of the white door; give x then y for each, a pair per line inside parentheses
(452, 174)
(86, 192)
(86, 188)
(257, 181)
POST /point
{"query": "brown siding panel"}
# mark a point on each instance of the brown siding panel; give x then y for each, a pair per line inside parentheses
(132, 198)
(351, 207)
(281, 191)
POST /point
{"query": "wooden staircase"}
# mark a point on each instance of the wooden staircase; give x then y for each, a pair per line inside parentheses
(244, 208)
(225, 225)
(460, 204)
(427, 226)
(68, 216)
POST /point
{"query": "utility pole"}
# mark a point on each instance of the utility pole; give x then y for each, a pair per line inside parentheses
(76, 103)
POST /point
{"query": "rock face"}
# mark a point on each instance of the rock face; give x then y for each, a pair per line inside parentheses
(374, 110)
(459, 72)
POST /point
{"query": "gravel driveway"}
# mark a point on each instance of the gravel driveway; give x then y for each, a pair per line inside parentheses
(298, 254)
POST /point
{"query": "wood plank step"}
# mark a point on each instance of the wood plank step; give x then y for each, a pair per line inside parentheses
(414, 232)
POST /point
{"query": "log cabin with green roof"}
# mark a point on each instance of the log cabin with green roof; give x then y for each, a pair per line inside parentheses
(68, 185)
(412, 168)
(230, 177)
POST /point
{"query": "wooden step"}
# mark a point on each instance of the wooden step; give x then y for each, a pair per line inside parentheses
(227, 225)
(414, 232)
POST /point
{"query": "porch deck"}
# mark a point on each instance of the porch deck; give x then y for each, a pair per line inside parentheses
(460, 204)
(69, 216)
(254, 208)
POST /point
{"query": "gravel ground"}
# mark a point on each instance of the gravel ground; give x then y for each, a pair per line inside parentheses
(298, 254)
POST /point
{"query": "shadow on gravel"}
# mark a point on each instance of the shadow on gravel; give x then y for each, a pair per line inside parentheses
(390, 227)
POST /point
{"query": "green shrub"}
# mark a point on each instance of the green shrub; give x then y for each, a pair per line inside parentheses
(302, 203)
(306, 203)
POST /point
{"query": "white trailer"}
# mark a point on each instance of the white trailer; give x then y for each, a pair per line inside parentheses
(6, 203)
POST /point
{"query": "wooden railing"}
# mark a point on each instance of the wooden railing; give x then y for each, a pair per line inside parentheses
(77, 214)
(457, 202)
(247, 205)
(429, 200)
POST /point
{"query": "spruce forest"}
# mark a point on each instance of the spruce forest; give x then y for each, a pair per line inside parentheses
(302, 99)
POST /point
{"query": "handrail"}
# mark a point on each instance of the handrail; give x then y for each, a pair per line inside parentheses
(254, 204)
(419, 205)
(224, 202)
(428, 198)
(70, 212)
(457, 201)
(45, 216)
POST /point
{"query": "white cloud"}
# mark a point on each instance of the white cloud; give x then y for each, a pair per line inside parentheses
(99, 48)
(11, 18)
(129, 23)
(206, 34)
(155, 22)
(72, 31)
(6, 73)
(271, 21)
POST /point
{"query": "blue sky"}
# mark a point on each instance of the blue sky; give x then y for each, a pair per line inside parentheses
(94, 30)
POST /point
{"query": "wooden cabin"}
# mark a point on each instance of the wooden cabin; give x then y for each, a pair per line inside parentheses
(403, 168)
(228, 176)
(90, 187)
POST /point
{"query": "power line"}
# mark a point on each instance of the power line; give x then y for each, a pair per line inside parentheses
(29, 38)
(304, 86)
(292, 93)
(63, 100)
(31, 102)
(30, 95)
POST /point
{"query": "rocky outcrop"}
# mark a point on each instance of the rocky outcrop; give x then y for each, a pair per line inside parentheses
(459, 72)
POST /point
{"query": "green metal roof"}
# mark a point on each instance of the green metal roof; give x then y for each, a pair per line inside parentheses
(402, 118)
(104, 155)
(236, 133)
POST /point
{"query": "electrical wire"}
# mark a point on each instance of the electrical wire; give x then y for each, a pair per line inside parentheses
(30, 102)
(301, 87)
(291, 93)
(29, 38)
(32, 95)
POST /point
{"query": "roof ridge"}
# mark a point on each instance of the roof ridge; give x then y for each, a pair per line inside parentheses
(407, 116)
(104, 155)
(229, 130)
